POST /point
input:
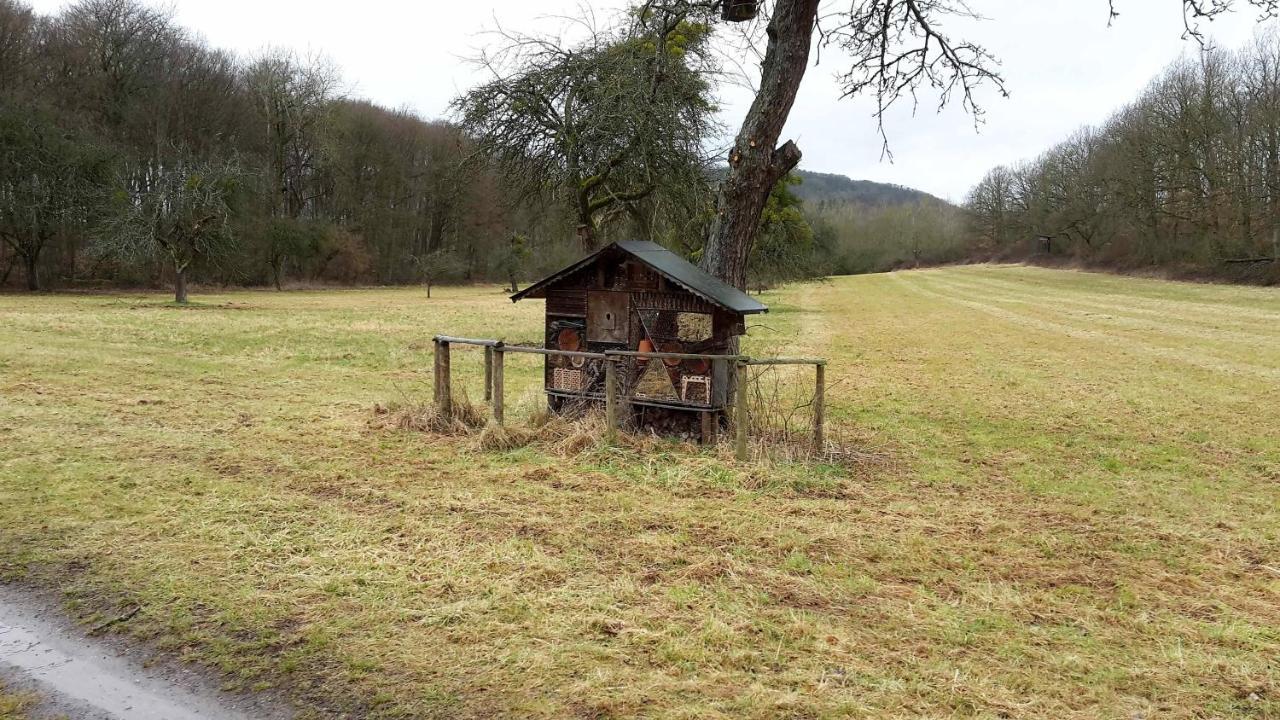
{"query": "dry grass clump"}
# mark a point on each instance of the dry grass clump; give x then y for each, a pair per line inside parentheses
(566, 435)
(781, 400)
(843, 447)
(426, 417)
(781, 463)
(14, 706)
(504, 438)
(560, 435)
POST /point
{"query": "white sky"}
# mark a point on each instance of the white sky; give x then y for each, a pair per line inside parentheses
(1064, 67)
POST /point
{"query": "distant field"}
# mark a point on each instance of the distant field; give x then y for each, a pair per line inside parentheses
(1080, 518)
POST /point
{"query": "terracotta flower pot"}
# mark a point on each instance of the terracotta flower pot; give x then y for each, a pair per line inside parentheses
(646, 345)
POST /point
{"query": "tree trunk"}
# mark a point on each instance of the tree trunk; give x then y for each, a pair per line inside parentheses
(755, 163)
(587, 234)
(180, 286)
(515, 288)
(428, 289)
(435, 236)
(31, 262)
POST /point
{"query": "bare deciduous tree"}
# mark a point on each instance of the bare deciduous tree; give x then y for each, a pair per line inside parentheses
(894, 49)
(601, 122)
(1186, 175)
(292, 98)
(180, 213)
(436, 266)
(51, 182)
(18, 42)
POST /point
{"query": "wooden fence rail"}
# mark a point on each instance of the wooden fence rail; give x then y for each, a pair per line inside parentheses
(494, 370)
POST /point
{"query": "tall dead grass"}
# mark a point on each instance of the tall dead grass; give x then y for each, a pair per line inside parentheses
(780, 436)
(781, 403)
(555, 434)
(420, 416)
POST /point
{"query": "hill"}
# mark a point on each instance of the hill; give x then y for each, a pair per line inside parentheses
(828, 187)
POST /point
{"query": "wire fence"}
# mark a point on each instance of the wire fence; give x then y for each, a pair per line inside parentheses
(773, 405)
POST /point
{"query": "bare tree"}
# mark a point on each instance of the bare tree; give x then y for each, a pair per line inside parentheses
(18, 43)
(991, 204)
(112, 56)
(292, 98)
(894, 49)
(1186, 176)
(51, 182)
(180, 213)
(601, 122)
(436, 266)
(511, 259)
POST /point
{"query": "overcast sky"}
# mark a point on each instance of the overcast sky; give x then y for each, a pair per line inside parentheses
(1064, 66)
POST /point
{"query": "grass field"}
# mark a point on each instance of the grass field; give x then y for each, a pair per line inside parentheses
(13, 706)
(1078, 515)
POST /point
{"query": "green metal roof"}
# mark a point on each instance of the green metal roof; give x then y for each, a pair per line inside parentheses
(669, 265)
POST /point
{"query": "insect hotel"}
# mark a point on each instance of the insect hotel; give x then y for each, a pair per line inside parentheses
(639, 297)
(638, 328)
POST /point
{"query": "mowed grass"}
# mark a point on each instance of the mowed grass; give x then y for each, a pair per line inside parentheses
(1080, 518)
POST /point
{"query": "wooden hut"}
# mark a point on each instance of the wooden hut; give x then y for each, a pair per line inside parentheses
(637, 296)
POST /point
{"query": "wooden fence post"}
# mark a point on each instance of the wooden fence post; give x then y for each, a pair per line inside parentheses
(819, 406)
(498, 354)
(443, 394)
(740, 424)
(611, 398)
(488, 373)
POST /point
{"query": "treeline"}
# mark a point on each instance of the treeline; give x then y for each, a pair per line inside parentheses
(1186, 178)
(134, 154)
(226, 169)
(857, 237)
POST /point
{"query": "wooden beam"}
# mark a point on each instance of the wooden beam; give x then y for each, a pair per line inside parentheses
(787, 361)
(740, 424)
(551, 351)
(488, 373)
(720, 383)
(468, 341)
(443, 388)
(673, 356)
(498, 354)
(611, 399)
(819, 407)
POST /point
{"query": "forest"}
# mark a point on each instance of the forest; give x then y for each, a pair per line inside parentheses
(1186, 179)
(133, 154)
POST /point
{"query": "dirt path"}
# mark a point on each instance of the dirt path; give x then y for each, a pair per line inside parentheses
(83, 678)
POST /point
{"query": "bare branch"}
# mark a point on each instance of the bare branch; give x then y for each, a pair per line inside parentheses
(897, 47)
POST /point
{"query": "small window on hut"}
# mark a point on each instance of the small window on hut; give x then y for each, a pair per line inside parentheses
(693, 327)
